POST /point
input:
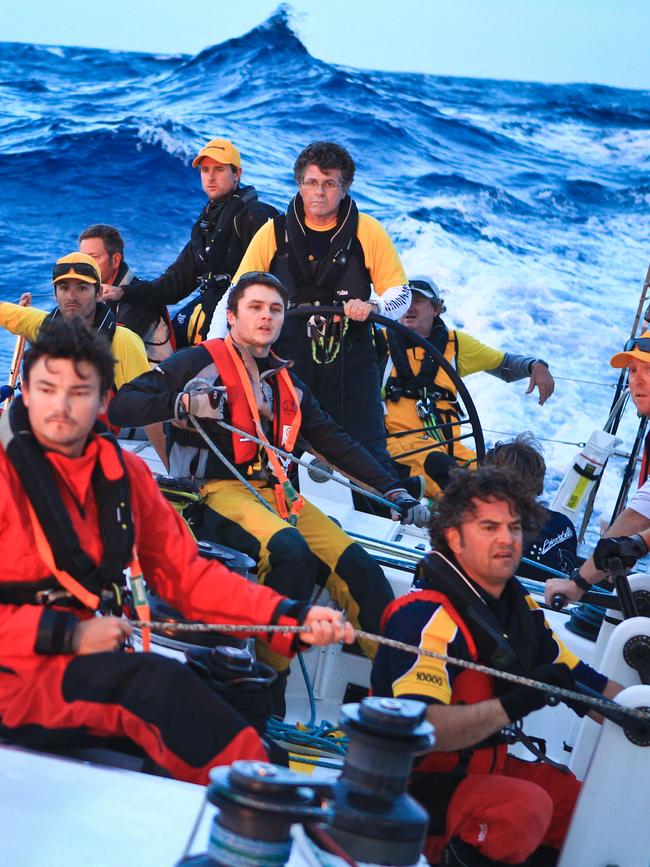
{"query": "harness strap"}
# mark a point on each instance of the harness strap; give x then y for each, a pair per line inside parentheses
(644, 472)
(294, 502)
(88, 599)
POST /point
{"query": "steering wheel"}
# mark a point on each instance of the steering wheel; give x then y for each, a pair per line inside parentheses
(468, 416)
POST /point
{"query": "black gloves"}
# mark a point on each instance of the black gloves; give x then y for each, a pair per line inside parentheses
(519, 701)
(628, 549)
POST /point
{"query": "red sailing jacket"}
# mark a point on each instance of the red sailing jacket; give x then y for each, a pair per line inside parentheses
(199, 588)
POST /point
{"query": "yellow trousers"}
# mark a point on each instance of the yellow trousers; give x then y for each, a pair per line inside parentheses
(294, 560)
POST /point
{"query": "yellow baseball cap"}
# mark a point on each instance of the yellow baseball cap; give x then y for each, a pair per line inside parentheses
(79, 266)
(221, 150)
(636, 349)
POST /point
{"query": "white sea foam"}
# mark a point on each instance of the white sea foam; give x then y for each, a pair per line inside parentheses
(556, 306)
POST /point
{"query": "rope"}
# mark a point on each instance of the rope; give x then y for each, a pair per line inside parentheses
(288, 456)
(415, 430)
(233, 469)
(519, 680)
(433, 445)
(507, 433)
(586, 381)
(325, 736)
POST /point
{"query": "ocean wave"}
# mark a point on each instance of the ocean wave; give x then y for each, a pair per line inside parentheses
(528, 203)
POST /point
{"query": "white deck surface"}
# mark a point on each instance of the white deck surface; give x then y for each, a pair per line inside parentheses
(71, 813)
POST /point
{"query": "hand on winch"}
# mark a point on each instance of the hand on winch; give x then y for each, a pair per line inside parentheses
(407, 509)
(627, 549)
(203, 399)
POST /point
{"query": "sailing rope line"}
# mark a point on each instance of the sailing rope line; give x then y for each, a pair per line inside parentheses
(586, 381)
(556, 691)
(289, 457)
(508, 433)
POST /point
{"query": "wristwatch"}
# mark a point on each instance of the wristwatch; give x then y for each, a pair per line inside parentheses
(579, 581)
(537, 361)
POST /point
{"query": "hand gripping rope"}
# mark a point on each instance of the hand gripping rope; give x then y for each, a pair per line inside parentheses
(610, 709)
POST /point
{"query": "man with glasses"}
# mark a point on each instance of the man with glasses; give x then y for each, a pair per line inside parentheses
(628, 538)
(252, 504)
(219, 239)
(328, 253)
(77, 289)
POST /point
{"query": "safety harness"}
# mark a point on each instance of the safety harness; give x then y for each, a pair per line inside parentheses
(319, 280)
(212, 244)
(75, 580)
(243, 385)
(410, 384)
(421, 386)
(441, 581)
(330, 277)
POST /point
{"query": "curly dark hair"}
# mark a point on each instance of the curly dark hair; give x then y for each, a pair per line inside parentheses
(486, 484)
(325, 155)
(71, 338)
(522, 456)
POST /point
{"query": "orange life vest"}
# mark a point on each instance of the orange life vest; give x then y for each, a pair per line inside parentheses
(287, 415)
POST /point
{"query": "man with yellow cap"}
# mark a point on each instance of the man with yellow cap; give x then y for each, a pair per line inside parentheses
(219, 238)
(77, 288)
(628, 538)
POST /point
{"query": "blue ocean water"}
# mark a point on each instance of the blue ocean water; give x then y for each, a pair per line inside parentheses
(528, 203)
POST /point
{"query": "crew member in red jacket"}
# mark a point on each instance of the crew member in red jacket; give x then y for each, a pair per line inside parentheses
(74, 511)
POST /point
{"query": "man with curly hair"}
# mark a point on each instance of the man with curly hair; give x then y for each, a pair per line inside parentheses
(486, 807)
(326, 252)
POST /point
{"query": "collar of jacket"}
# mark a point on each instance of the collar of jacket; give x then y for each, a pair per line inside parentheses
(124, 275)
(327, 272)
(104, 322)
(111, 491)
(442, 572)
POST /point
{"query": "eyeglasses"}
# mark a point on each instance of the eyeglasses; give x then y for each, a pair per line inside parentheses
(72, 269)
(641, 343)
(312, 184)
